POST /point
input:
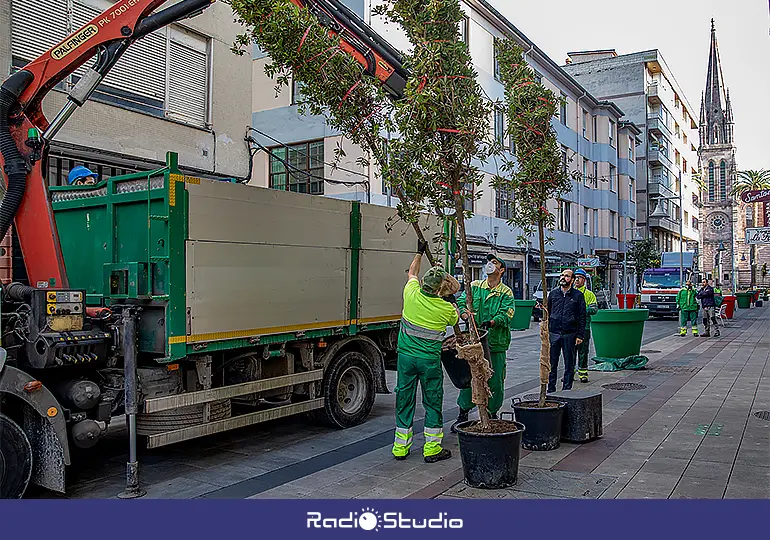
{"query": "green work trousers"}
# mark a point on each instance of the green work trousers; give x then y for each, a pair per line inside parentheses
(583, 350)
(684, 317)
(465, 401)
(428, 373)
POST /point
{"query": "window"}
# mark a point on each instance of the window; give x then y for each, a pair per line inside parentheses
(595, 129)
(695, 223)
(631, 148)
(712, 195)
(677, 158)
(723, 181)
(469, 197)
(146, 77)
(586, 222)
(596, 223)
(564, 158)
(298, 168)
(296, 92)
(565, 211)
(686, 217)
(676, 129)
(585, 171)
(749, 216)
(613, 224)
(684, 138)
(596, 175)
(631, 189)
(538, 76)
(613, 176)
(497, 59)
(503, 203)
(500, 126)
(57, 166)
(585, 124)
(512, 144)
(464, 29)
(612, 133)
(563, 109)
(684, 166)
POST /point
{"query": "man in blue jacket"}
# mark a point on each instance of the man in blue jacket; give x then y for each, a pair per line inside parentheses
(708, 303)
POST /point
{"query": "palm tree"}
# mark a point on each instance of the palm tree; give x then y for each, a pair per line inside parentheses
(752, 180)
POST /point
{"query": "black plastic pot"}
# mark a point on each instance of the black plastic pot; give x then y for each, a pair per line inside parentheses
(490, 460)
(458, 369)
(543, 424)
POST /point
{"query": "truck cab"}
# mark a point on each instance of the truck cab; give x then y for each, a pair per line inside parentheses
(661, 285)
(552, 281)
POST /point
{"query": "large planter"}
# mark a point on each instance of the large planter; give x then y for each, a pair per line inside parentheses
(458, 369)
(543, 424)
(617, 333)
(522, 315)
(491, 460)
(744, 299)
(729, 301)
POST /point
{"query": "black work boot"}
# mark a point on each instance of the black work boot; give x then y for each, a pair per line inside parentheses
(441, 456)
(716, 332)
(706, 334)
(462, 417)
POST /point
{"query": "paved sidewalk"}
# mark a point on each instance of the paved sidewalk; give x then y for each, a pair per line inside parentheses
(689, 432)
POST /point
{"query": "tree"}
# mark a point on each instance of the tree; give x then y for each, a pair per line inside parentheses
(645, 255)
(442, 122)
(538, 175)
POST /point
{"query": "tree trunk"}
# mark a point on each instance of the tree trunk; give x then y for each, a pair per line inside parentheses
(545, 343)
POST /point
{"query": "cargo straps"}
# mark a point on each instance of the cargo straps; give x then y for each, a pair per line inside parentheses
(419, 332)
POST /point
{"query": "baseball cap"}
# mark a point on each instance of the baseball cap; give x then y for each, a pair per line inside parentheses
(492, 257)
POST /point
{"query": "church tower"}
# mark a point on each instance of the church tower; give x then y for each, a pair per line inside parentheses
(718, 212)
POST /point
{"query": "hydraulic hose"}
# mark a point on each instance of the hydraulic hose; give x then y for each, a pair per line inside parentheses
(18, 292)
(16, 168)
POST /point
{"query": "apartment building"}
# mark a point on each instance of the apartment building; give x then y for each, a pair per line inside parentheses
(159, 97)
(597, 140)
(644, 86)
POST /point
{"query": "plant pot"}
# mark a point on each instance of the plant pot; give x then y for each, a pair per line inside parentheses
(744, 299)
(522, 314)
(543, 424)
(617, 333)
(458, 369)
(490, 460)
(729, 300)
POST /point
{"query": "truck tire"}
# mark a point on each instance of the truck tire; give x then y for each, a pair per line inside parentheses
(349, 389)
(15, 459)
(161, 422)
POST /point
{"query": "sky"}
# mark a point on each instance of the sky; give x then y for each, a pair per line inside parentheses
(681, 31)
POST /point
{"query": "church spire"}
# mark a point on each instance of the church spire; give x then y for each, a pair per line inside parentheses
(714, 128)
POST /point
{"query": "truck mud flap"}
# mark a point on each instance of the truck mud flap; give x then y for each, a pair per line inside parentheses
(45, 427)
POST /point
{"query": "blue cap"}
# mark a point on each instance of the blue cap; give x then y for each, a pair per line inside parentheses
(79, 172)
(581, 272)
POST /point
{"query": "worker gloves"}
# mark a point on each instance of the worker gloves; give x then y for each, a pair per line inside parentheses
(422, 247)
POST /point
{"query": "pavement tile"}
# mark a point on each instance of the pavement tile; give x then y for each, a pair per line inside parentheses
(355, 485)
(699, 488)
(747, 490)
(664, 465)
(393, 489)
(708, 470)
(657, 483)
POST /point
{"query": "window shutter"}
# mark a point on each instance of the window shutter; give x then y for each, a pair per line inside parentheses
(29, 18)
(188, 77)
(142, 68)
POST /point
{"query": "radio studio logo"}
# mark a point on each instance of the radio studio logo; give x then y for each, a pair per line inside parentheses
(369, 519)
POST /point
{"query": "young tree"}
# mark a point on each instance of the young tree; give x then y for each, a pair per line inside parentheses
(645, 255)
(538, 174)
(442, 121)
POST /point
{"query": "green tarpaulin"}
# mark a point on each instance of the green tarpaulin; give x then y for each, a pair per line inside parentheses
(618, 364)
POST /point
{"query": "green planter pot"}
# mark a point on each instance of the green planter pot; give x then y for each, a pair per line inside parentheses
(522, 315)
(744, 299)
(617, 333)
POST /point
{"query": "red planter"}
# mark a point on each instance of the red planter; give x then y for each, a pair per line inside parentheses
(630, 301)
(729, 301)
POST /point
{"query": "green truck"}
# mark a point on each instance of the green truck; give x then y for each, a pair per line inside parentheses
(196, 307)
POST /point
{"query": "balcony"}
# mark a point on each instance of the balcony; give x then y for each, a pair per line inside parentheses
(653, 94)
(657, 156)
(671, 225)
(656, 187)
(658, 126)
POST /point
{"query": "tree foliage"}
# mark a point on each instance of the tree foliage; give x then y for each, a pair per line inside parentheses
(644, 254)
(537, 175)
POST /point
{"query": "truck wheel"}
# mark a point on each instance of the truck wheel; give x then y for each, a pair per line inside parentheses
(15, 459)
(349, 391)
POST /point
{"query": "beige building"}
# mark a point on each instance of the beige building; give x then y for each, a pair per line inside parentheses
(179, 89)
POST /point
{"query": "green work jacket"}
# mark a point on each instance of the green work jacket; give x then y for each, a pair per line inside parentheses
(492, 305)
(592, 305)
(686, 300)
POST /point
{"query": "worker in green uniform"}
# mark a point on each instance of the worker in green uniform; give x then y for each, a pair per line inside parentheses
(424, 321)
(493, 309)
(687, 304)
(592, 308)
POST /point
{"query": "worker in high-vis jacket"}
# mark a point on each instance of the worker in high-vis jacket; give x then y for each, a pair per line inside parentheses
(425, 318)
(493, 309)
(592, 308)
